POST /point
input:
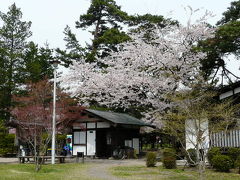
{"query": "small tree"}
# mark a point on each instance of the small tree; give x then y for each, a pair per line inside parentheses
(190, 121)
(33, 115)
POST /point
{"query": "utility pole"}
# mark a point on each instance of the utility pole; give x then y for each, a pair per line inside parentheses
(55, 64)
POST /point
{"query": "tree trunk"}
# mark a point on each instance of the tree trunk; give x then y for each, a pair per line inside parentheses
(36, 156)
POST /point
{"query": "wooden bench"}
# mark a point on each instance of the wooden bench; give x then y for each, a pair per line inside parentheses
(42, 158)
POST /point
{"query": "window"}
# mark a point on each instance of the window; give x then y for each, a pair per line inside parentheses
(79, 137)
(128, 143)
(109, 139)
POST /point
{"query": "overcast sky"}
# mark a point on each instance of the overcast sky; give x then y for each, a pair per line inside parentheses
(50, 17)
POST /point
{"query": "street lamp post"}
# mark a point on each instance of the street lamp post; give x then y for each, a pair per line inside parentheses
(55, 64)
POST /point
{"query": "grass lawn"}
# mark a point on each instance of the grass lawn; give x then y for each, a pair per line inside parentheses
(48, 172)
(75, 171)
(157, 173)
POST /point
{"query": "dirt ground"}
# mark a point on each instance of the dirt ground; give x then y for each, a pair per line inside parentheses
(101, 167)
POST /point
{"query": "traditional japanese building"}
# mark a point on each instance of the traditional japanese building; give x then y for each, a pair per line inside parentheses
(98, 133)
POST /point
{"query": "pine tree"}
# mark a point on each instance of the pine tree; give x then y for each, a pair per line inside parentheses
(105, 21)
(105, 17)
(226, 41)
(20, 61)
(13, 40)
(37, 63)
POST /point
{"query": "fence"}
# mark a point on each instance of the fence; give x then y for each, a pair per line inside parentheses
(230, 138)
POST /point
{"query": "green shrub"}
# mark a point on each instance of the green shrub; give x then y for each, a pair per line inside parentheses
(233, 153)
(7, 144)
(222, 163)
(169, 162)
(151, 159)
(191, 156)
(169, 152)
(135, 154)
(211, 153)
(237, 164)
(169, 158)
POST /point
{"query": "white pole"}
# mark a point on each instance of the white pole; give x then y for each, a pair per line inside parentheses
(54, 119)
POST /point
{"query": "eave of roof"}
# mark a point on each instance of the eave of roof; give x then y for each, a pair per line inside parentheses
(118, 118)
(229, 87)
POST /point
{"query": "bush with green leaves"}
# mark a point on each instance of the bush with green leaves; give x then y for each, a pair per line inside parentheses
(191, 156)
(237, 164)
(169, 152)
(213, 152)
(6, 141)
(169, 162)
(233, 153)
(7, 144)
(151, 159)
(169, 158)
(222, 163)
(135, 154)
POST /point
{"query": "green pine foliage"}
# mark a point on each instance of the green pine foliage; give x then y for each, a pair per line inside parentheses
(226, 40)
(109, 27)
(38, 63)
(106, 17)
(13, 37)
(21, 61)
(232, 13)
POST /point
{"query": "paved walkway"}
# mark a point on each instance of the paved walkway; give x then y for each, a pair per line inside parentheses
(8, 160)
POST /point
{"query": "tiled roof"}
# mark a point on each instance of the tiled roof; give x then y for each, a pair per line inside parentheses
(118, 118)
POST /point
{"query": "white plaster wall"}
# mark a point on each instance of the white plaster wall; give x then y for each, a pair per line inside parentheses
(81, 126)
(91, 125)
(237, 90)
(191, 131)
(226, 94)
(136, 145)
(79, 148)
(128, 143)
(91, 143)
(103, 125)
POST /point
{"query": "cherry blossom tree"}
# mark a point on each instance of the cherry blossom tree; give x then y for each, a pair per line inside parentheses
(147, 69)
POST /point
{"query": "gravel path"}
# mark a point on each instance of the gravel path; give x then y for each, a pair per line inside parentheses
(101, 168)
(8, 160)
(100, 171)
